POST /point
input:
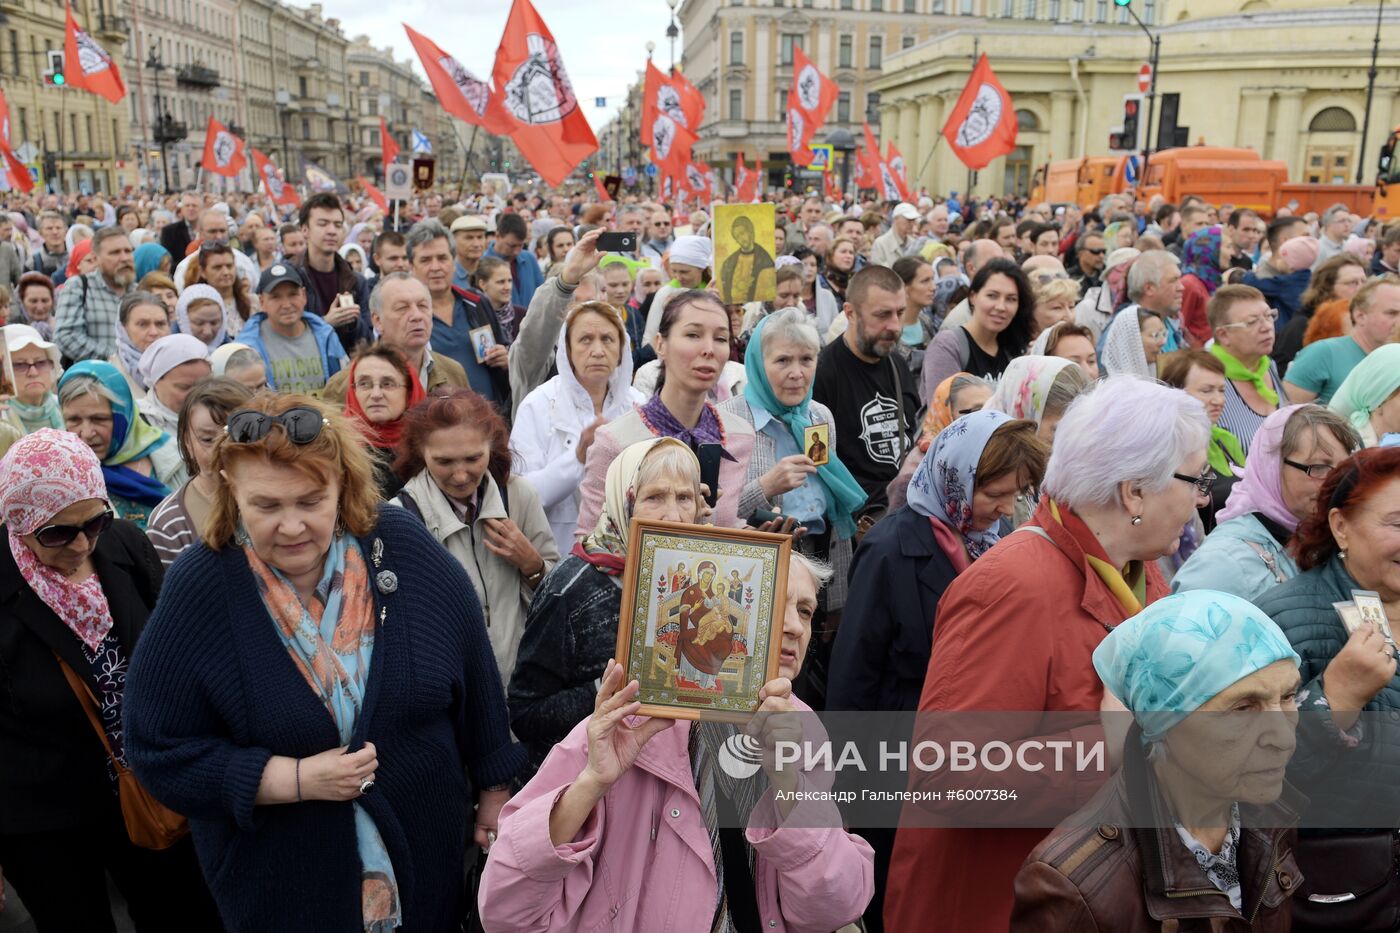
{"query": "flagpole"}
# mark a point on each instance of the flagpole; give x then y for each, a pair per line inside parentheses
(467, 161)
(971, 173)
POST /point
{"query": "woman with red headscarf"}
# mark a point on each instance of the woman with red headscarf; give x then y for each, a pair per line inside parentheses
(383, 389)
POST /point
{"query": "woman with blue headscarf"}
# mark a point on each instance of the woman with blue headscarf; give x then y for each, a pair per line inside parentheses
(139, 461)
(1199, 808)
(151, 257)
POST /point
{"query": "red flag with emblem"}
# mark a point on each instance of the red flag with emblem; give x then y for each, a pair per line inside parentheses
(87, 66)
(670, 144)
(982, 125)
(387, 143)
(461, 93)
(672, 95)
(809, 101)
(745, 181)
(896, 162)
(536, 100)
(277, 188)
(223, 151)
(374, 193)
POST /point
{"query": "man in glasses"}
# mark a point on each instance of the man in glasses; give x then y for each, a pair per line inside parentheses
(1091, 253)
(300, 350)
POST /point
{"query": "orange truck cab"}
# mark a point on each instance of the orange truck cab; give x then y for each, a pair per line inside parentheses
(1387, 203)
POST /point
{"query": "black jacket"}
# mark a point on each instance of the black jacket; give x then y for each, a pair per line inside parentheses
(357, 331)
(176, 238)
(882, 649)
(480, 314)
(54, 775)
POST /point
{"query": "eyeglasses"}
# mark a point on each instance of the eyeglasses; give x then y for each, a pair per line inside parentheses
(383, 385)
(1042, 277)
(301, 425)
(1255, 321)
(1203, 483)
(1097, 252)
(64, 535)
(1314, 470)
(37, 366)
(1156, 335)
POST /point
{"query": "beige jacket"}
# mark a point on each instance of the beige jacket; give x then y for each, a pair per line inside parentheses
(500, 586)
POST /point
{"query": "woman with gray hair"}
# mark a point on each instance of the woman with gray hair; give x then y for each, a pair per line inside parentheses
(819, 493)
(1017, 629)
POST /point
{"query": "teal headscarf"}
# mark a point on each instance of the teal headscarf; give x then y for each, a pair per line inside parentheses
(1368, 385)
(147, 258)
(1165, 662)
(843, 493)
(133, 437)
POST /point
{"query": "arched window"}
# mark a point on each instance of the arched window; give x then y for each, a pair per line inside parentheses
(1333, 120)
(1026, 120)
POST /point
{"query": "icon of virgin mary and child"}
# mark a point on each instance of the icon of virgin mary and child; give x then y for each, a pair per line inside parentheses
(707, 634)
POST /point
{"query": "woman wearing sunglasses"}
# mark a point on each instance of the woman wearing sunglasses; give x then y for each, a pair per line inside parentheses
(76, 588)
(140, 462)
(318, 692)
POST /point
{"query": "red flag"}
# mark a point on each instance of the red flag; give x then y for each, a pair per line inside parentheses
(603, 195)
(745, 181)
(16, 173)
(809, 101)
(374, 193)
(461, 93)
(672, 95)
(833, 190)
(878, 172)
(670, 144)
(896, 162)
(536, 99)
(271, 175)
(867, 161)
(387, 144)
(223, 151)
(982, 125)
(4, 118)
(87, 65)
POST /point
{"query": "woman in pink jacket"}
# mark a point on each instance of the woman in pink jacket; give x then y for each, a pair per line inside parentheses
(619, 829)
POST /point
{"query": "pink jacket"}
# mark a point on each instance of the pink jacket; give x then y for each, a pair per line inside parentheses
(629, 429)
(643, 862)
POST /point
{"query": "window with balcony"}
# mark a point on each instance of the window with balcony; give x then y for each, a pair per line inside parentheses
(877, 51)
(843, 107)
(906, 42)
(785, 44)
(736, 104)
(844, 55)
(736, 47)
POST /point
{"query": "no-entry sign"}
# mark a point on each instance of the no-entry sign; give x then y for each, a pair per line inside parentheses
(1145, 78)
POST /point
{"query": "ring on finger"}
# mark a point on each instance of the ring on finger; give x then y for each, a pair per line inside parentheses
(366, 786)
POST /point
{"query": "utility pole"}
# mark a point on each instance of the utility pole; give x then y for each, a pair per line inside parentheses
(162, 124)
(1152, 87)
(1370, 91)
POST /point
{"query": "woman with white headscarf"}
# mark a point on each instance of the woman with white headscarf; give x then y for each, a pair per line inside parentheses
(200, 312)
(1132, 342)
(171, 366)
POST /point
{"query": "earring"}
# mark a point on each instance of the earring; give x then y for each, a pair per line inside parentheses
(1137, 520)
(1342, 553)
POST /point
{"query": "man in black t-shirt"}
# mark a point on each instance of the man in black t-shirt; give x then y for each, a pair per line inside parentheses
(867, 386)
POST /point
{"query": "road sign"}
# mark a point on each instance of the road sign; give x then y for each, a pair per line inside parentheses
(651, 169)
(1145, 78)
(398, 182)
(1130, 169)
(821, 157)
(629, 176)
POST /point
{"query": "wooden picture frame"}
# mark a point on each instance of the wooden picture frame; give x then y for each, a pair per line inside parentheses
(733, 649)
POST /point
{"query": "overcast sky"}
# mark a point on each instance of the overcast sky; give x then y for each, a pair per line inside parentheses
(603, 42)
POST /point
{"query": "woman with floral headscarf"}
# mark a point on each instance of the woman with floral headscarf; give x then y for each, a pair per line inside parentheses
(1203, 257)
(961, 492)
(571, 627)
(76, 588)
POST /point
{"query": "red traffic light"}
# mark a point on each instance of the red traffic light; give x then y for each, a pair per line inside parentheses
(1130, 107)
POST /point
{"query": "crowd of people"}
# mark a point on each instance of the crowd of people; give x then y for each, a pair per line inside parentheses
(317, 529)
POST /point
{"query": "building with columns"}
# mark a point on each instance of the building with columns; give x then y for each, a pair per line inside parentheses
(1285, 77)
(87, 138)
(739, 54)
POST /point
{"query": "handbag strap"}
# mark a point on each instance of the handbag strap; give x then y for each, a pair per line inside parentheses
(89, 704)
(899, 407)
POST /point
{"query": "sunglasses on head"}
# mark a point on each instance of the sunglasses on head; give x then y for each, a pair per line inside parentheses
(64, 535)
(301, 425)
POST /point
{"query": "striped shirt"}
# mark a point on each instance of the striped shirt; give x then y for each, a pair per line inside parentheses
(170, 527)
(1241, 420)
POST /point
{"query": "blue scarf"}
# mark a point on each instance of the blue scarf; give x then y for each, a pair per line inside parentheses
(944, 483)
(843, 494)
(132, 437)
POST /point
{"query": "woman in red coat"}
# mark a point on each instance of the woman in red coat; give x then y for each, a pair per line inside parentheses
(1016, 631)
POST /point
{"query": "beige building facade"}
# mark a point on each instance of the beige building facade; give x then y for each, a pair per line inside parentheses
(86, 138)
(1284, 77)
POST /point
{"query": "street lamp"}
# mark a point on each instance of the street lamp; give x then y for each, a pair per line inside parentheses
(153, 62)
(672, 32)
(1152, 88)
(284, 100)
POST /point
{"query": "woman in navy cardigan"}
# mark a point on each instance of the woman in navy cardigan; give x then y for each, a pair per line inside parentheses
(316, 691)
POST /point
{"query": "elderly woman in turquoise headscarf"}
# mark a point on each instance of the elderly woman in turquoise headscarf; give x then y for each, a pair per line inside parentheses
(1370, 395)
(140, 462)
(780, 363)
(1199, 808)
(151, 257)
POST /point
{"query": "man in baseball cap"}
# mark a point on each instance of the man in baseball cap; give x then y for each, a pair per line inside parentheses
(899, 240)
(300, 350)
(469, 237)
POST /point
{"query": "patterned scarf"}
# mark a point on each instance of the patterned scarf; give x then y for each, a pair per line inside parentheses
(606, 547)
(1200, 256)
(81, 606)
(47, 414)
(944, 484)
(708, 430)
(1223, 870)
(331, 641)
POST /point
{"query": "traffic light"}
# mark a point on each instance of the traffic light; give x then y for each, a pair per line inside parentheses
(1121, 2)
(1130, 122)
(55, 75)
